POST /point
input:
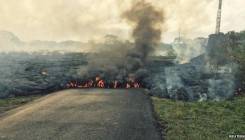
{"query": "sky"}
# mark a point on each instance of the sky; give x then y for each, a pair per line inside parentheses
(84, 20)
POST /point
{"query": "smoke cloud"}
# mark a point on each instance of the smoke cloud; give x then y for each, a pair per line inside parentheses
(124, 60)
(147, 21)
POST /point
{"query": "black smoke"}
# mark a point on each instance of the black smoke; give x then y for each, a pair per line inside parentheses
(123, 61)
(147, 22)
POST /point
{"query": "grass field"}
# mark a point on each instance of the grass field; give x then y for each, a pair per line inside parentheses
(201, 120)
(10, 103)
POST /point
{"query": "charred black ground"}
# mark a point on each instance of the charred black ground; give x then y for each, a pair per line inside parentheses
(187, 69)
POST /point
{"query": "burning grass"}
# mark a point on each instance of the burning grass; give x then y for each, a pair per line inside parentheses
(201, 120)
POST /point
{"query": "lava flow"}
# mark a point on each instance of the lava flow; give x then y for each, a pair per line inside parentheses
(100, 83)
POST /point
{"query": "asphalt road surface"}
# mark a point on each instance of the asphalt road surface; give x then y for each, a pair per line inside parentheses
(91, 114)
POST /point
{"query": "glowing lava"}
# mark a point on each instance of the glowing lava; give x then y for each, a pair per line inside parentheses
(101, 83)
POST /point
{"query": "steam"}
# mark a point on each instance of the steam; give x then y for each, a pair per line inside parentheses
(187, 49)
(208, 76)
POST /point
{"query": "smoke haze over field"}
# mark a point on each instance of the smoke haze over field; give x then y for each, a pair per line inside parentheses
(86, 19)
(133, 31)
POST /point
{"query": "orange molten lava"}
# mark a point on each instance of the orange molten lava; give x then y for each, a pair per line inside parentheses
(115, 84)
(100, 83)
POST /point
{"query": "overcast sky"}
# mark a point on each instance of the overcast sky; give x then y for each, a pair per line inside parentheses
(91, 19)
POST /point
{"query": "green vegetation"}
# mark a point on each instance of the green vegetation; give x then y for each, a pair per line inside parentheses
(238, 55)
(10, 103)
(227, 48)
(201, 120)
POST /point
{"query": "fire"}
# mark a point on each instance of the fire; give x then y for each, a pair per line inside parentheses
(100, 83)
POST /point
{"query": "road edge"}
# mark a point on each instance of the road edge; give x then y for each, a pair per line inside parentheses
(161, 128)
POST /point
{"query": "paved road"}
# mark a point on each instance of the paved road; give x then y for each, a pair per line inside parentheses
(91, 114)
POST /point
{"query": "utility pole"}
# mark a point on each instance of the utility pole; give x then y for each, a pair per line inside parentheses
(218, 20)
